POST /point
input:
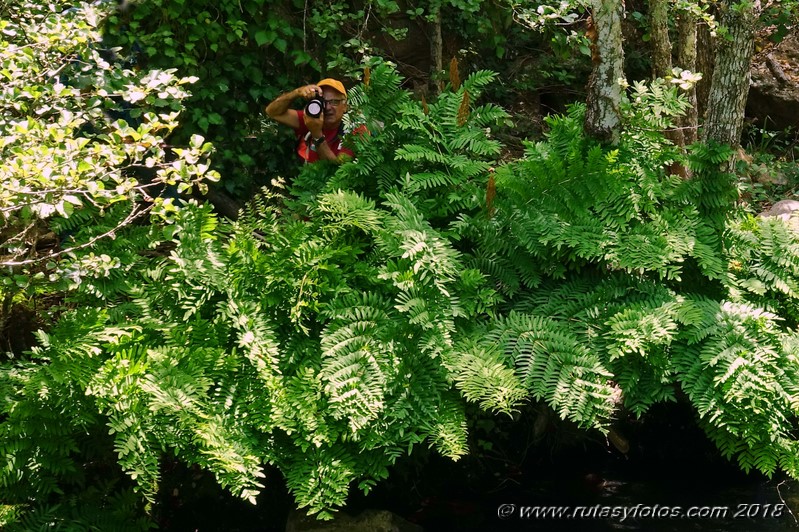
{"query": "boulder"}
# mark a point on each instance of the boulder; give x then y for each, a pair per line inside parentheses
(786, 210)
(367, 521)
(783, 209)
(773, 101)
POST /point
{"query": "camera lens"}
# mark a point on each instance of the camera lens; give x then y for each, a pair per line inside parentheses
(314, 108)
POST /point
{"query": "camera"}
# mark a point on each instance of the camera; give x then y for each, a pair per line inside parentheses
(315, 107)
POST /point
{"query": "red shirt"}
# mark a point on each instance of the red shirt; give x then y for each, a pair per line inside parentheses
(307, 151)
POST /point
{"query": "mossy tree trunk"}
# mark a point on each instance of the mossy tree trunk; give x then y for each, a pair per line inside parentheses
(437, 55)
(705, 54)
(686, 59)
(602, 117)
(662, 64)
(730, 86)
(661, 43)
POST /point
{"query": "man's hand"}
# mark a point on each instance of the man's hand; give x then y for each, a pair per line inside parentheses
(314, 125)
(279, 110)
(309, 91)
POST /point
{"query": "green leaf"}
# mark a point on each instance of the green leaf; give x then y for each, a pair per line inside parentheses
(263, 37)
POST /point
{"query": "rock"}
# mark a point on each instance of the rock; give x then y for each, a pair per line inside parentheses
(621, 443)
(783, 209)
(367, 521)
(774, 90)
(763, 174)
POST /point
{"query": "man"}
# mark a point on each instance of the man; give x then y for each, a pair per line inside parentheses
(319, 138)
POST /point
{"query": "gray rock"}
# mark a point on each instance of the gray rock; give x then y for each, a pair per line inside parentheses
(783, 209)
(367, 521)
(774, 90)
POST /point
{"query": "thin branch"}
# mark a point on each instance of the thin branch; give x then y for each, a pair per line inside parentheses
(304, 31)
(779, 494)
(20, 235)
(365, 22)
(136, 212)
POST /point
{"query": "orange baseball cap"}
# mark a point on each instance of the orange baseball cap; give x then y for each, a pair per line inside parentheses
(333, 84)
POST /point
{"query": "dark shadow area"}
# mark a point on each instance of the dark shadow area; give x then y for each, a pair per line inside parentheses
(670, 468)
(192, 500)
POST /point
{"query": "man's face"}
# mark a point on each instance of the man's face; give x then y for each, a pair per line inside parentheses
(335, 107)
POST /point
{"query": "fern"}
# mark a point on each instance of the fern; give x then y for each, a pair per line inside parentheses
(358, 358)
(483, 376)
(764, 264)
(331, 329)
(280, 305)
(434, 156)
(552, 366)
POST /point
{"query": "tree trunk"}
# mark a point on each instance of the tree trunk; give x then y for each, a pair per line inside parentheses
(730, 87)
(602, 116)
(686, 59)
(661, 44)
(661, 64)
(437, 55)
(223, 204)
(705, 46)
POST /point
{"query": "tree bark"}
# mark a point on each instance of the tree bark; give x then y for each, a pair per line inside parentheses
(223, 204)
(661, 44)
(730, 87)
(437, 55)
(686, 59)
(602, 116)
(705, 46)
(661, 63)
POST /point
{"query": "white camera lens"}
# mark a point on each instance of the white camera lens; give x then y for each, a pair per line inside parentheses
(314, 108)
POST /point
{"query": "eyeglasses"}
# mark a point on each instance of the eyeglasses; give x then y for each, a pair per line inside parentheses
(334, 103)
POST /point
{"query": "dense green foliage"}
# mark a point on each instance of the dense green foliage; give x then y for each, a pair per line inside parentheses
(246, 53)
(83, 145)
(350, 314)
(641, 276)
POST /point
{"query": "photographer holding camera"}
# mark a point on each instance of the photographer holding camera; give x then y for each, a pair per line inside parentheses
(318, 127)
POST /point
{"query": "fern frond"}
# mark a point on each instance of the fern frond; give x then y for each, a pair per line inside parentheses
(553, 366)
(483, 376)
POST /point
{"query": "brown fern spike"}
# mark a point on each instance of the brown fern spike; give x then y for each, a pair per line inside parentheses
(491, 192)
(367, 76)
(593, 36)
(463, 110)
(454, 78)
(424, 106)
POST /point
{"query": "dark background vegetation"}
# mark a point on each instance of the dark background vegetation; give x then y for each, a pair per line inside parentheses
(195, 287)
